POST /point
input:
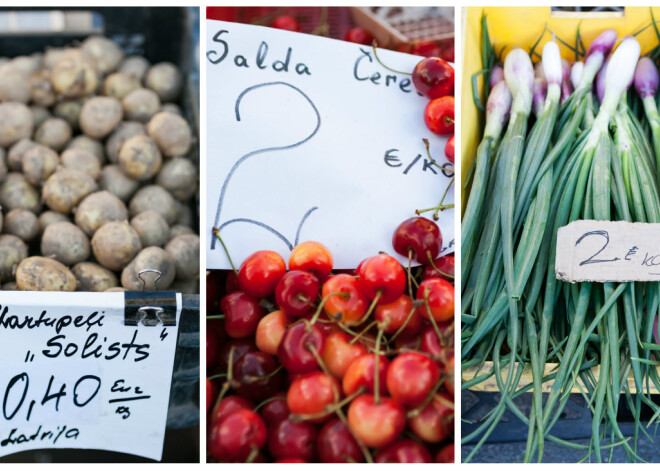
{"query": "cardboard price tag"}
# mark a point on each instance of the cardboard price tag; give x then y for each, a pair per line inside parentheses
(73, 375)
(310, 138)
(608, 251)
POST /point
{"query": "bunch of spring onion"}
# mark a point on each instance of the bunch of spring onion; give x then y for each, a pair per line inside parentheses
(584, 157)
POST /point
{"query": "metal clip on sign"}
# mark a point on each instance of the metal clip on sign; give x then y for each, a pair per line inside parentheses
(150, 308)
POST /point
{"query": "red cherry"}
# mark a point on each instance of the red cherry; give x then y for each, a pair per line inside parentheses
(376, 425)
(291, 460)
(210, 393)
(311, 394)
(435, 422)
(260, 272)
(410, 379)
(440, 294)
(226, 406)
(275, 411)
(312, 257)
(336, 444)
(439, 115)
(393, 315)
(431, 343)
(434, 78)
(256, 376)
(449, 149)
(350, 309)
(383, 276)
(286, 22)
(240, 347)
(359, 35)
(446, 454)
(404, 451)
(236, 436)
(214, 280)
(419, 235)
(361, 374)
(292, 440)
(231, 283)
(270, 331)
(425, 48)
(444, 264)
(338, 353)
(212, 347)
(296, 293)
(242, 314)
(294, 351)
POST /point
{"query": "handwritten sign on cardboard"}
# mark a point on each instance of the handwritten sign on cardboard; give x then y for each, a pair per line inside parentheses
(310, 138)
(72, 375)
(608, 251)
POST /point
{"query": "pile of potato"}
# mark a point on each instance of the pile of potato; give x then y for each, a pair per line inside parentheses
(96, 176)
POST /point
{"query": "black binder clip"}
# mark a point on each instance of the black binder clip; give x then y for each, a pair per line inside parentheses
(150, 308)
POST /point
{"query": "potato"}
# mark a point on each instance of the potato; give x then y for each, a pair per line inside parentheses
(156, 198)
(14, 85)
(69, 110)
(186, 216)
(119, 85)
(39, 163)
(73, 75)
(129, 281)
(171, 133)
(15, 155)
(83, 160)
(141, 105)
(117, 289)
(16, 122)
(27, 65)
(22, 223)
(115, 244)
(171, 108)
(104, 52)
(66, 188)
(3, 165)
(113, 180)
(88, 144)
(155, 258)
(17, 192)
(50, 217)
(179, 177)
(39, 114)
(184, 250)
(124, 131)
(139, 158)
(134, 66)
(97, 209)
(44, 274)
(151, 228)
(11, 286)
(12, 251)
(42, 92)
(190, 286)
(52, 55)
(54, 133)
(93, 277)
(99, 116)
(65, 242)
(177, 230)
(165, 79)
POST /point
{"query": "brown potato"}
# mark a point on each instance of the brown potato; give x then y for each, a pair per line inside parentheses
(39, 163)
(155, 258)
(179, 229)
(69, 110)
(106, 54)
(171, 132)
(184, 250)
(39, 114)
(179, 177)
(83, 160)
(140, 105)
(17, 192)
(44, 274)
(124, 131)
(119, 85)
(88, 144)
(12, 251)
(156, 198)
(16, 122)
(73, 75)
(129, 280)
(139, 158)
(50, 217)
(65, 242)
(54, 133)
(165, 79)
(151, 228)
(14, 85)
(99, 116)
(134, 66)
(93, 277)
(97, 209)
(171, 108)
(66, 188)
(42, 92)
(15, 155)
(3, 164)
(113, 180)
(115, 244)
(22, 223)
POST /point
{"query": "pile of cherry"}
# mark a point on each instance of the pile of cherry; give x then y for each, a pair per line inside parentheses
(313, 364)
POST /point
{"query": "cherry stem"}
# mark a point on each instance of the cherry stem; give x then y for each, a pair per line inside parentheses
(227, 384)
(323, 29)
(269, 375)
(216, 233)
(374, 45)
(305, 300)
(372, 306)
(431, 318)
(365, 450)
(253, 454)
(266, 401)
(447, 191)
(220, 375)
(351, 332)
(219, 316)
(364, 331)
(319, 360)
(329, 409)
(267, 19)
(376, 370)
(427, 145)
(403, 326)
(428, 255)
(320, 308)
(410, 254)
(416, 411)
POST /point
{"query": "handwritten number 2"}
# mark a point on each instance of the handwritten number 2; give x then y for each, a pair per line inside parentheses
(591, 259)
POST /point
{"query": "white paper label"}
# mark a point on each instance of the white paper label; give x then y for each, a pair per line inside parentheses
(72, 375)
(608, 251)
(310, 138)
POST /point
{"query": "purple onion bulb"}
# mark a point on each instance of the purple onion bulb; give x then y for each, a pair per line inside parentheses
(646, 77)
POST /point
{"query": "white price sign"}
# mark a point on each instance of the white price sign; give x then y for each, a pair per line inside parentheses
(310, 138)
(73, 375)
